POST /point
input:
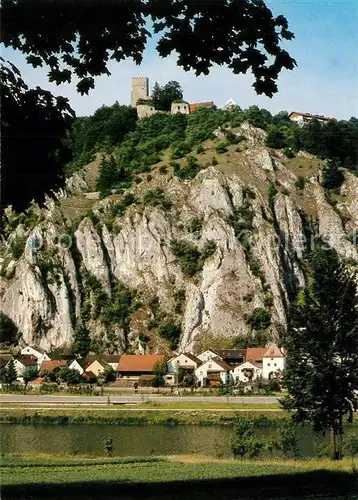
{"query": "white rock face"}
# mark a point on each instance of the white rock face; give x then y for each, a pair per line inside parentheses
(233, 281)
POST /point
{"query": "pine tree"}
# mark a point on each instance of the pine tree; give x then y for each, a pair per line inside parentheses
(11, 373)
(322, 363)
(82, 341)
(156, 95)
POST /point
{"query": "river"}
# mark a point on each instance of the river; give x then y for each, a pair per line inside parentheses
(87, 439)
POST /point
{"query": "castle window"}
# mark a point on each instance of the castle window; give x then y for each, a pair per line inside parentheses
(178, 107)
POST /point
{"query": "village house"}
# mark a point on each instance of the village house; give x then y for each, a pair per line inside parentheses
(111, 359)
(255, 354)
(213, 373)
(37, 352)
(246, 372)
(273, 362)
(180, 107)
(132, 366)
(23, 362)
(208, 354)
(232, 357)
(94, 365)
(51, 365)
(77, 365)
(186, 361)
(303, 118)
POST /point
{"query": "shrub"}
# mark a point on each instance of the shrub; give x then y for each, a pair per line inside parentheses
(195, 225)
(275, 138)
(208, 250)
(155, 197)
(289, 153)
(333, 176)
(163, 169)
(181, 151)
(221, 148)
(248, 193)
(187, 255)
(179, 299)
(214, 161)
(149, 177)
(288, 440)
(18, 247)
(260, 319)
(285, 191)
(268, 300)
(272, 192)
(200, 149)
(128, 199)
(244, 443)
(171, 332)
(300, 183)
(187, 171)
(232, 138)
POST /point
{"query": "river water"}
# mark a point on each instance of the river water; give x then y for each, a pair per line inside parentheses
(87, 439)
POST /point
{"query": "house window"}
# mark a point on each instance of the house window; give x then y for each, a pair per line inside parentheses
(186, 361)
(268, 364)
(275, 364)
(210, 366)
(201, 373)
(178, 107)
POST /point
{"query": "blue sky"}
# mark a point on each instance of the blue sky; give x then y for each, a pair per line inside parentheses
(325, 81)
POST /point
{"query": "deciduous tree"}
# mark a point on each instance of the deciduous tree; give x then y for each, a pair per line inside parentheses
(322, 363)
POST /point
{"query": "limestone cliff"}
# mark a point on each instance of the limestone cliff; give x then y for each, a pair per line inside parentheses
(244, 221)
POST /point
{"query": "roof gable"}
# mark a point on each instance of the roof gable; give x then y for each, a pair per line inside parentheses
(247, 364)
(220, 364)
(273, 352)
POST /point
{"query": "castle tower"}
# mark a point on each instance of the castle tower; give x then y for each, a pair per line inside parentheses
(140, 89)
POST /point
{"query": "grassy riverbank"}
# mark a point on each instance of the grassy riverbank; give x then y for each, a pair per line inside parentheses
(135, 416)
(44, 476)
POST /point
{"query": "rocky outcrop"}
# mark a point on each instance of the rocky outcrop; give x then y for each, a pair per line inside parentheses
(259, 245)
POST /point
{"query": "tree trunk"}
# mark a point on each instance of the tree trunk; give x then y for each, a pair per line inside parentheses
(335, 431)
(333, 442)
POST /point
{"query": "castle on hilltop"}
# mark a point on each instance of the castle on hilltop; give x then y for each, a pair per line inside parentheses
(141, 100)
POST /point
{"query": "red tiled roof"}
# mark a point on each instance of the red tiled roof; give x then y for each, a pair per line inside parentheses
(38, 380)
(255, 353)
(139, 363)
(308, 115)
(197, 105)
(147, 377)
(273, 352)
(49, 366)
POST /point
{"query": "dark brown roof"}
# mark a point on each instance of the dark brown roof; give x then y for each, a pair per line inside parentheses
(230, 353)
(27, 360)
(111, 358)
(221, 363)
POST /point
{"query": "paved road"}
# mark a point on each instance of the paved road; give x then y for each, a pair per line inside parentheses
(20, 398)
